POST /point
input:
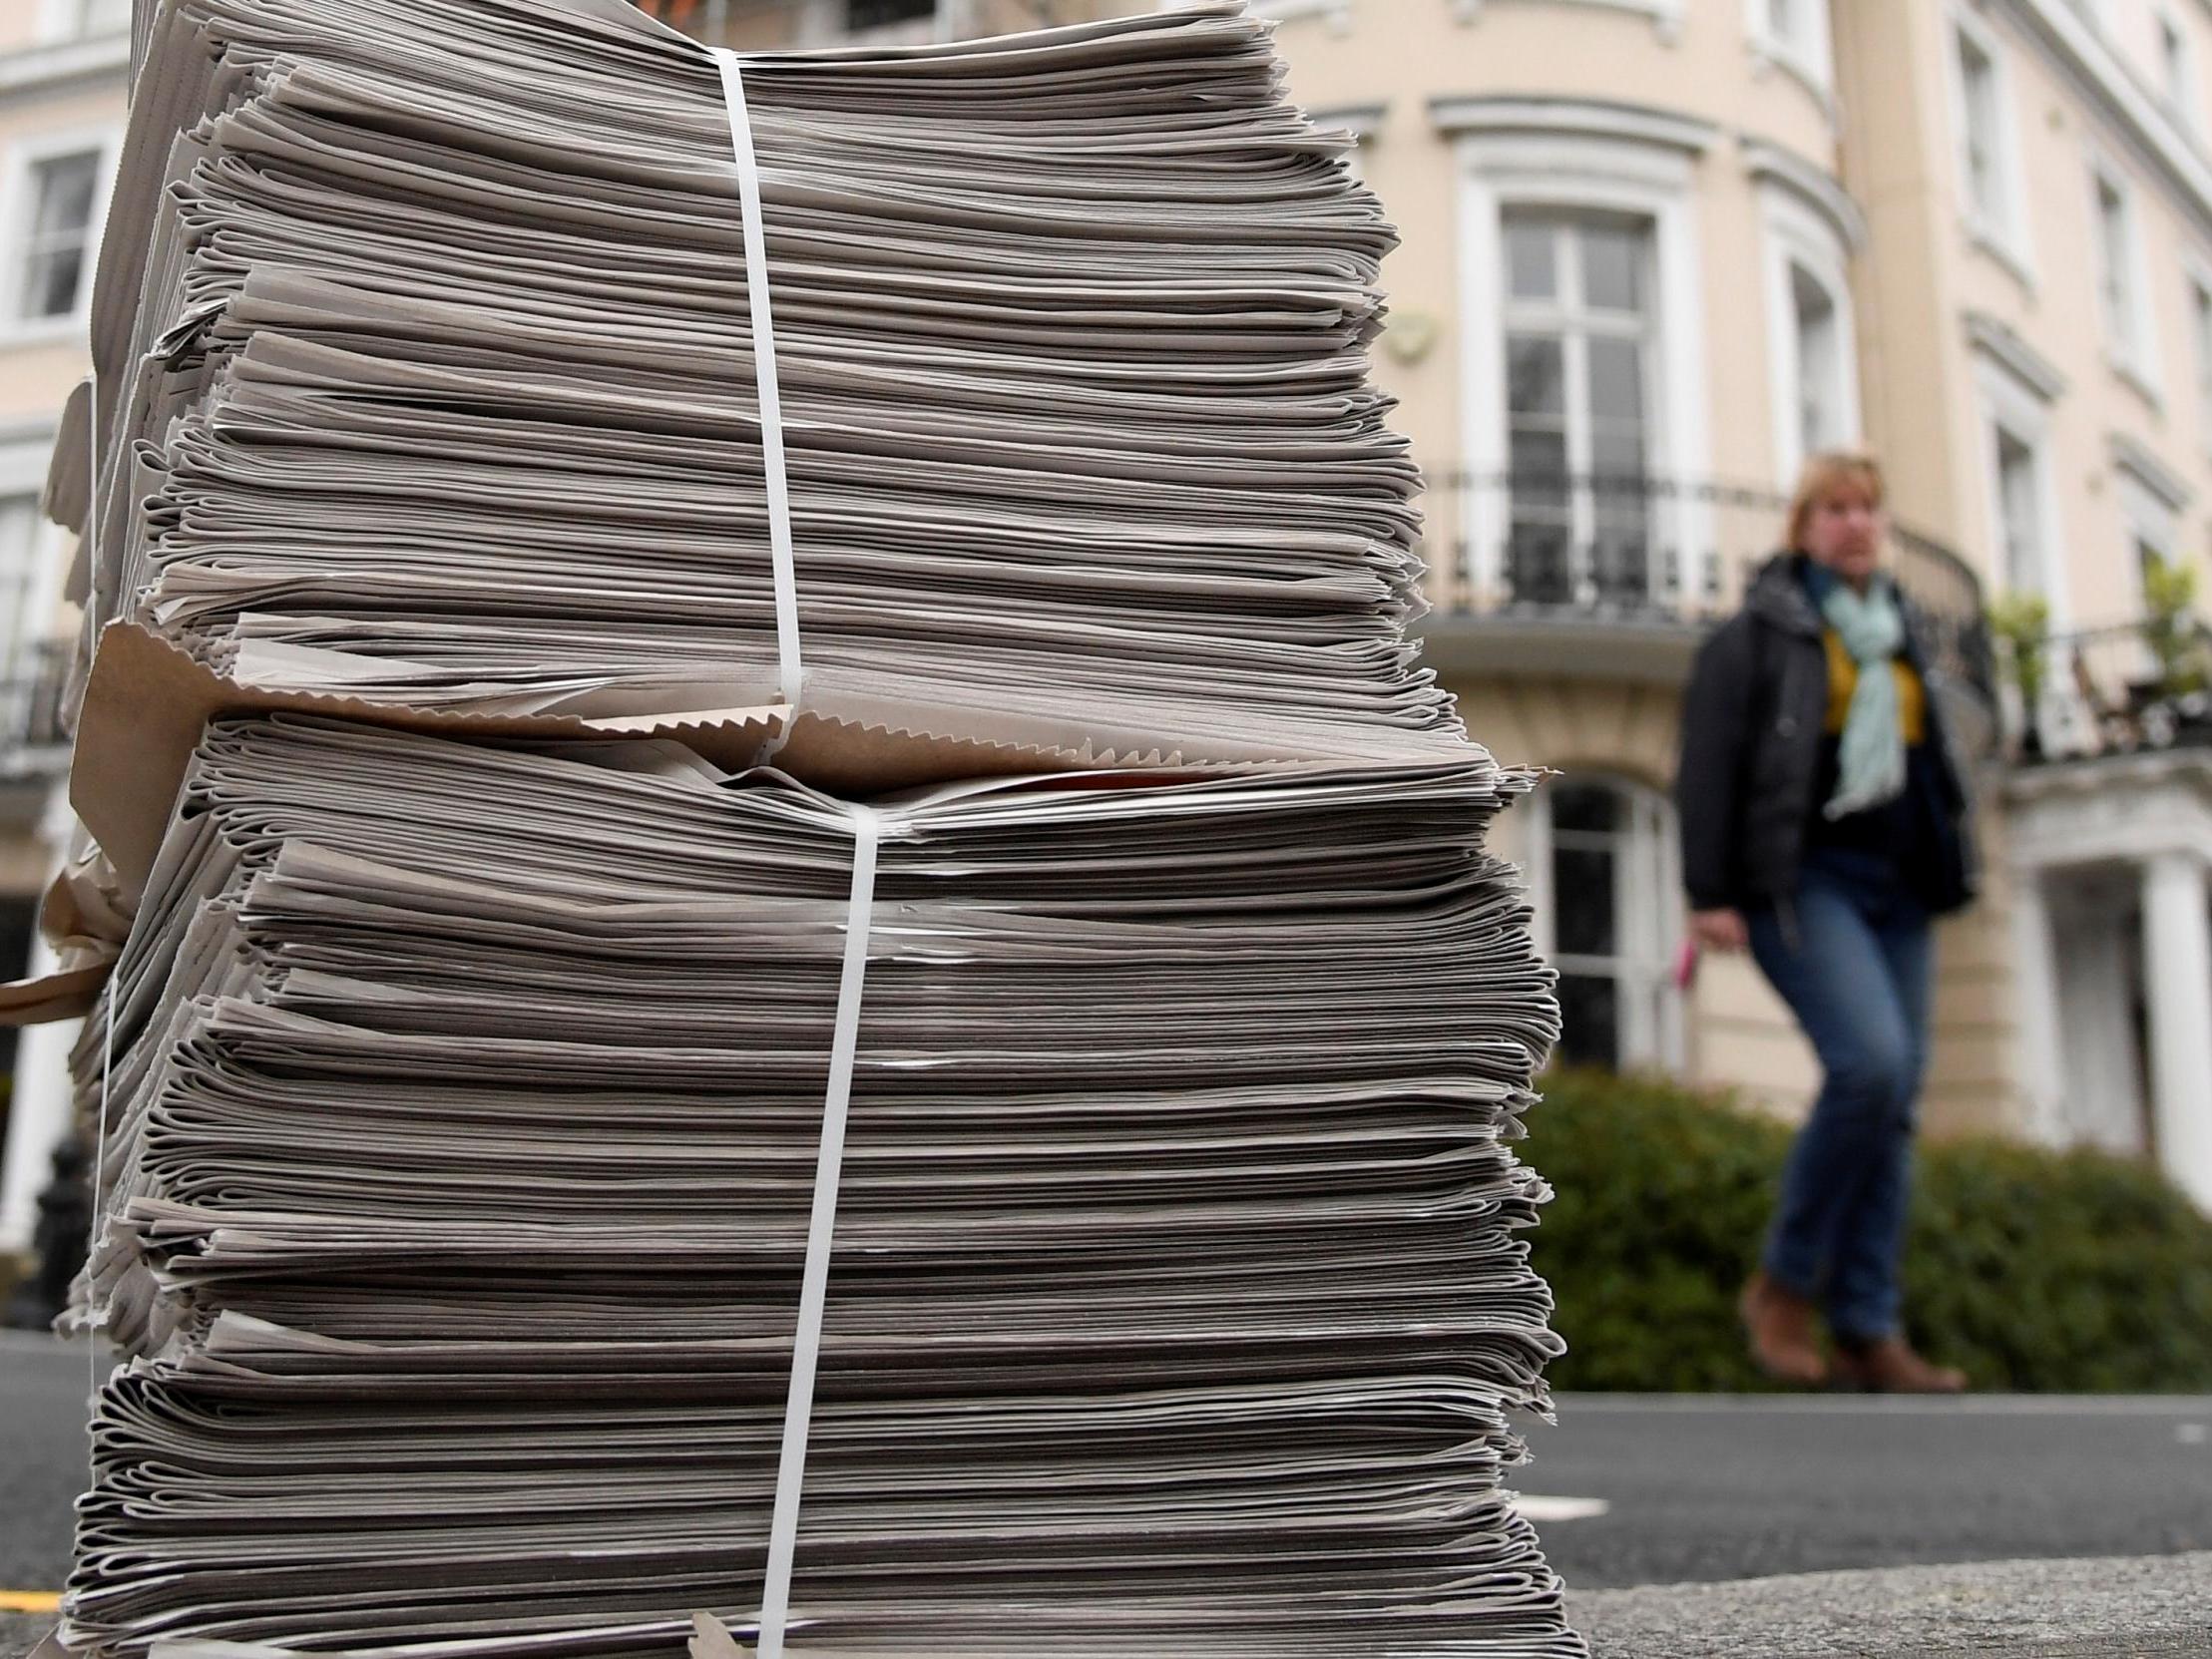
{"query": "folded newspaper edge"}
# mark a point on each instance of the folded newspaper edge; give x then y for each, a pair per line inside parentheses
(148, 701)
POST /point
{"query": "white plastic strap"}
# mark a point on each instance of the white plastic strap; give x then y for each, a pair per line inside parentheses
(114, 975)
(790, 673)
(829, 1164)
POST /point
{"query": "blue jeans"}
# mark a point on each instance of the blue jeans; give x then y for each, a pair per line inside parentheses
(1851, 957)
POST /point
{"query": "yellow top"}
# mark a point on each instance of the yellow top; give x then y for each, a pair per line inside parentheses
(1843, 679)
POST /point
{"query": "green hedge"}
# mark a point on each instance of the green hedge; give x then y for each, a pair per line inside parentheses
(2035, 1271)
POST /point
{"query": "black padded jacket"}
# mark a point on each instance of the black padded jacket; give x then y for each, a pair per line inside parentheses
(1750, 757)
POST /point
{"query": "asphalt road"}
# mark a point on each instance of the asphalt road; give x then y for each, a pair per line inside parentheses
(1627, 1491)
(1706, 1488)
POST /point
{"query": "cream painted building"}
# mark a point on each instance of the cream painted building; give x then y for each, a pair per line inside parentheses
(63, 68)
(1656, 251)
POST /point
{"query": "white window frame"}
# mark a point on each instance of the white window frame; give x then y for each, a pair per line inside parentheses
(1595, 172)
(17, 205)
(2197, 275)
(2011, 404)
(2005, 237)
(2131, 343)
(2150, 511)
(1647, 922)
(24, 463)
(1799, 238)
(1811, 59)
(2182, 101)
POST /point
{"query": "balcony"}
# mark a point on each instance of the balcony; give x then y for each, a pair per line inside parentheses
(34, 690)
(2133, 689)
(1620, 576)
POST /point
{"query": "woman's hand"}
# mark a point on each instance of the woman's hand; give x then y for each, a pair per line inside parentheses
(1720, 929)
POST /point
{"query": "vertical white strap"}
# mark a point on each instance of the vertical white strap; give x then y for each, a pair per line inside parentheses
(93, 1318)
(829, 1164)
(789, 671)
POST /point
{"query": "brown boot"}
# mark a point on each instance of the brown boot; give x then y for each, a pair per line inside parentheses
(1889, 1366)
(1780, 1325)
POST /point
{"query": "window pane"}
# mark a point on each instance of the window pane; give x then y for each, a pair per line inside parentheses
(1816, 310)
(19, 523)
(1977, 76)
(1819, 363)
(2016, 471)
(50, 283)
(19, 539)
(1618, 460)
(1589, 1020)
(1536, 375)
(1621, 559)
(2117, 253)
(881, 14)
(2200, 300)
(1612, 267)
(1583, 920)
(1539, 563)
(64, 187)
(1616, 380)
(1532, 263)
(1587, 806)
(1538, 469)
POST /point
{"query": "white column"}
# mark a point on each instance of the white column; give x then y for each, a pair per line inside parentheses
(2035, 1006)
(2177, 971)
(40, 1112)
(38, 1118)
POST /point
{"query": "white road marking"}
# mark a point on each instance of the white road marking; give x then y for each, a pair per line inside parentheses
(1544, 1509)
(2190, 1433)
(1571, 1407)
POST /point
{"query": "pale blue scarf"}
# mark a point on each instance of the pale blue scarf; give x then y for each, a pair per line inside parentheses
(1871, 760)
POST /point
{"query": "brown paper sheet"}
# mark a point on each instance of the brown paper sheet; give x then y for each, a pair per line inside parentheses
(148, 701)
(147, 705)
(67, 994)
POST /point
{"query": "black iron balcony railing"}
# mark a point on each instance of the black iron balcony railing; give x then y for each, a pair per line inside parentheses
(2122, 689)
(34, 690)
(1654, 550)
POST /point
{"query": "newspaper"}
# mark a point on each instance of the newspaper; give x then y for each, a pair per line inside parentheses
(428, 376)
(463, 1103)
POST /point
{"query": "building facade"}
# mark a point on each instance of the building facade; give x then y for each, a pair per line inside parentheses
(64, 65)
(1656, 251)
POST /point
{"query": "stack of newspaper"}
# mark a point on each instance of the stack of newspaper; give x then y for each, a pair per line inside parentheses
(430, 373)
(464, 1106)
(1027, 1173)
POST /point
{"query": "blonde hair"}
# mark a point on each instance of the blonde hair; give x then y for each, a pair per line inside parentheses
(1827, 474)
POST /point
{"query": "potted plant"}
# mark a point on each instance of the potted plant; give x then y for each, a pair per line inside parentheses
(2172, 627)
(2022, 621)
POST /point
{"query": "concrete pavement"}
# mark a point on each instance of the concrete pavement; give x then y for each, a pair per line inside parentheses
(2157, 1607)
(2154, 1608)
(1838, 1527)
(1715, 1487)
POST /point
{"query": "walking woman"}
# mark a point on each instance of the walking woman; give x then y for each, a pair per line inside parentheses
(1825, 825)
